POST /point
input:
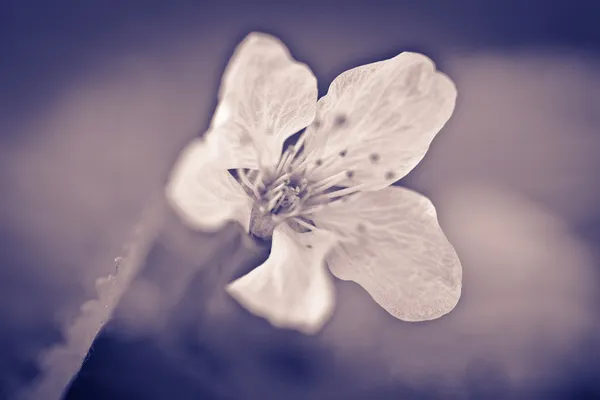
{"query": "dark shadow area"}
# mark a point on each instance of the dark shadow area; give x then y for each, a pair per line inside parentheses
(43, 44)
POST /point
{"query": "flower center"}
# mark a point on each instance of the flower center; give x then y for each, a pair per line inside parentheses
(286, 192)
(286, 199)
(283, 199)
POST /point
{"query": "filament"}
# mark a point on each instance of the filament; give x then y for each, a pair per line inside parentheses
(327, 183)
(274, 201)
(326, 197)
(244, 178)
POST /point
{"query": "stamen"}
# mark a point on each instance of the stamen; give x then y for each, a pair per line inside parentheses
(281, 181)
(252, 175)
(277, 218)
(314, 209)
(297, 212)
(310, 167)
(340, 120)
(274, 201)
(278, 187)
(285, 158)
(258, 180)
(361, 228)
(279, 200)
(245, 139)
(303, 184)
(299, 143)
(325, 197)
(308, 226)
(327, 183)
(244, 178)
(290, 154)
(304, 224)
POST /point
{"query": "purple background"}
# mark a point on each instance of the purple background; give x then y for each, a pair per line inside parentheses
(97, 98)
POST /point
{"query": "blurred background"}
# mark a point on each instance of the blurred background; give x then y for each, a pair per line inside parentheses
(97, 98)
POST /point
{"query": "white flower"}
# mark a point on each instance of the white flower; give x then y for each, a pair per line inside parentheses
(327, 200)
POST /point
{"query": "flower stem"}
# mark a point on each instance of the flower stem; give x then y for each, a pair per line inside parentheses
(62, 362)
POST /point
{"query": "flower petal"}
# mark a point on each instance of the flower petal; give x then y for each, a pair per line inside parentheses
(396, 250)
(292, 289)
(203, 192)
(378, 120)
(265, 97)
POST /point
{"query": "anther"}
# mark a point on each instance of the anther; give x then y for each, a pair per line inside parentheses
(317, 123)
(309, 246)
(389, 175)
(340, 120)
(374, 157)
(319, 162)
(349, 173)
(343, 153)
(245, 139)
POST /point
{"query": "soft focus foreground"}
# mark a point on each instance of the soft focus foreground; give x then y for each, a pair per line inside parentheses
(524, 128)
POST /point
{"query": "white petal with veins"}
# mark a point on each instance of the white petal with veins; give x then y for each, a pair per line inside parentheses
(265, 97)
(292, 289)
(378, 120)
(396, 250)
(203, 192)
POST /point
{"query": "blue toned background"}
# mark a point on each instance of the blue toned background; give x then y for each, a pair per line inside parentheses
(97, 98)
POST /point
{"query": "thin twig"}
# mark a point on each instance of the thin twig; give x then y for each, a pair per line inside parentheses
(62, 362)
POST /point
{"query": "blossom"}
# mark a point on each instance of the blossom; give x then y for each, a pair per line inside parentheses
(326, 202)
